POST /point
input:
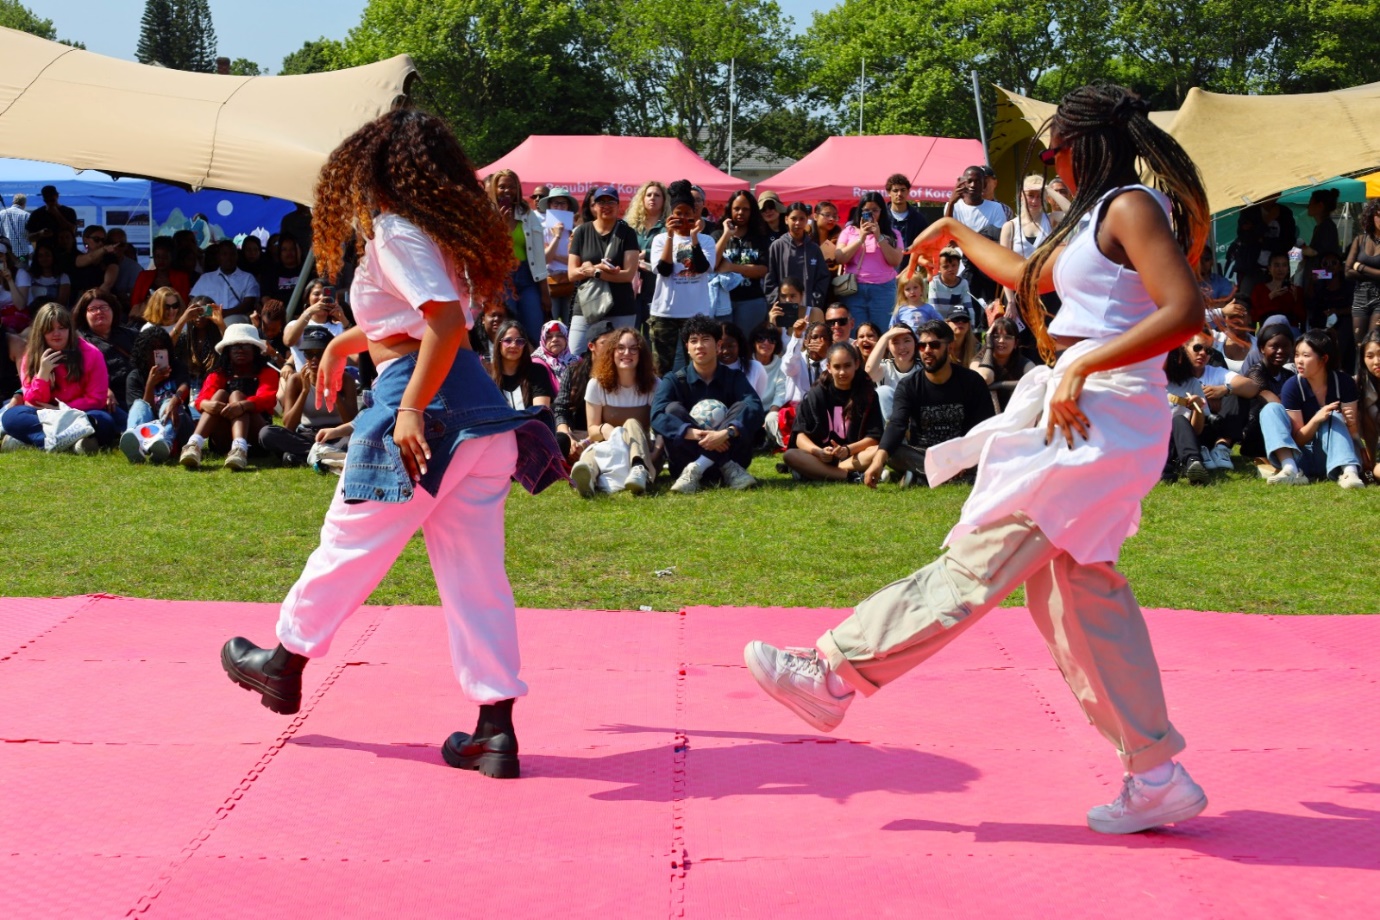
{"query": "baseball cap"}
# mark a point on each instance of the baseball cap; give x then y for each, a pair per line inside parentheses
(958, 311)
(594, 330)
(315, 338)
(605, 191)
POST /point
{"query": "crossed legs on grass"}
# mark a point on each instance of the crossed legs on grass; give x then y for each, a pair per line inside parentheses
(1087, 615)
(463, 526)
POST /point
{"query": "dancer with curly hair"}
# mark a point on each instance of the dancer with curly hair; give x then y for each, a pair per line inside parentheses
(1061, 473)
(439, 446)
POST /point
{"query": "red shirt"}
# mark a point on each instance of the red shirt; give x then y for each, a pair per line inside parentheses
(265, 398)
(179, 282)
(1289, 304)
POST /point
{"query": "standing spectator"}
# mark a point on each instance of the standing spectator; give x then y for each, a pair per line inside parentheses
(279, 280)
(528, 295)
(15, 284)
(968, 205)
(1330, 297)
(1309, 431)
(945, 400)
(1024, 233)
(825, 231)
(838, 424)
(557, 209)
(14, 222)
(49, 222)
(48, 282)
(683, 270)
(127, 260)
(618, 399)
(236, 400)
(710, 224)
(742, 247)
(1321, 205)
(769, 205)
(538, 199)
(94, 316)
(871, 250)
(989, 189)
(1363, 268)
(155, 388)
(948, 288)
(606, 249)
(906, 218)
(59, 366)
(1263, 231)
(99, 265)
(307, 420)
(647, 216)
(718, 451)
(227, 285)
(163, 274)
(796, 255)
(1279, 296)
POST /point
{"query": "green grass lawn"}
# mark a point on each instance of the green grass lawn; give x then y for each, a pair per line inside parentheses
(77, 525)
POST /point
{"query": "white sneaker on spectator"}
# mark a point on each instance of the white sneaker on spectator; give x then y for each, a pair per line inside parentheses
(87, 445)
(1222, 454)
(1142, 805)
(237, 459)
(688, 482)
(191, 456)
(798, 679)
(1285, 477)
(886, 475)
(907, 480)
(1350, 480)
(735, 477)
(636, 483)
(584, 474)
(8, 444)
(130, 447)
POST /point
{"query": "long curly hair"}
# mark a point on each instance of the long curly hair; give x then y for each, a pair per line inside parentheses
(1368, 214)
(637, 211)
(408, 162)
(606, 372)
(1108, 131)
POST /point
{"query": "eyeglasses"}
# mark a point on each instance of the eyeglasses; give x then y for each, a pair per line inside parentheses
(838, 321)
(1198, 349)
(1047, 156)
(931, 345)
(514, 342)
(628, 349)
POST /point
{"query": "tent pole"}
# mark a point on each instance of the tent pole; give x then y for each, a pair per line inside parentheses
(305, 275)
(862, 94)
(982, 128)
(731, 67)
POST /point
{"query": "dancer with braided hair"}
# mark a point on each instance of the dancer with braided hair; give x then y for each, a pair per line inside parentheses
(1062, 472)
(440, 444)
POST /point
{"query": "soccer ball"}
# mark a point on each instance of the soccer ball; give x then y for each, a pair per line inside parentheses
(709, 414)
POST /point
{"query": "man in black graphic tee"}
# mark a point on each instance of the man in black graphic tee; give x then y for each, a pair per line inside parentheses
(942, 402)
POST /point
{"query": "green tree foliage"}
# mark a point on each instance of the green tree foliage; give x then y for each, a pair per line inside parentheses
(177, 34)
(498, 71)
(243, 67)
(672, 59)
(790, 132)
(17, 16)
(315, 57)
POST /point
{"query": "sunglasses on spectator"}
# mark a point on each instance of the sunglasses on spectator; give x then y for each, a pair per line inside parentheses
(1047, 156)
(764, 337)
(1198, 349)
(514, 341)
(837, 321)
(932, 345)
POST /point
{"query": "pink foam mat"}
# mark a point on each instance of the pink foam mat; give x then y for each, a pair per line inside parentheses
(658, 780)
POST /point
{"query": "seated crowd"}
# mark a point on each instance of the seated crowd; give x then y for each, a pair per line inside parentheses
(671, 339)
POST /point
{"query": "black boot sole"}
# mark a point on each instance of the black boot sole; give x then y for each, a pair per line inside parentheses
(282, 705)
(499, 765)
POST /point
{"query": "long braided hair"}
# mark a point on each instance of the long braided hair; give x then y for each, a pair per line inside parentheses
(1110, 136)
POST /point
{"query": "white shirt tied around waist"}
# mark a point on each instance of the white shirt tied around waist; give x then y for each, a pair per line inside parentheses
(1086, 499)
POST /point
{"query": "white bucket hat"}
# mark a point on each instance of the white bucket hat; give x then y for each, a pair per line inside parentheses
(240, 334)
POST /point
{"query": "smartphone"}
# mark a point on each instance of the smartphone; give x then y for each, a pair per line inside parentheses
(1322, 274)
(160, 357)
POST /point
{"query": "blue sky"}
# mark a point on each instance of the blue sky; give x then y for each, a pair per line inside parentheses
(265, 31)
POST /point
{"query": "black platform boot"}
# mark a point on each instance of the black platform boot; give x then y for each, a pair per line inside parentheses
(276, 674)
(492, 749)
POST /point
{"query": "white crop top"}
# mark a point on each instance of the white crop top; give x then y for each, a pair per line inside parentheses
(1099, 298)
(402, 269)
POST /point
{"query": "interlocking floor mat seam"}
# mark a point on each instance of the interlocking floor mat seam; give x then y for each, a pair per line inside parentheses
(164, 877)
(91, 601)
(679, 853)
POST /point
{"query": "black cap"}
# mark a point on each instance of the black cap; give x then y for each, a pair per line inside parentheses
(958, 311)
(315, 338)
(594, 330)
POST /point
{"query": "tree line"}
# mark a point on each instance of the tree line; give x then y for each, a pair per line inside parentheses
(500, 70)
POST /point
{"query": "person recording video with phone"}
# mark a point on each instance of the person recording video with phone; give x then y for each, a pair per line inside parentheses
(322, 310)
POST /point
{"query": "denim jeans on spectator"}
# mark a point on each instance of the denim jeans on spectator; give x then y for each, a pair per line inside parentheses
(141, 413)
(749, 314)
(1326, 455)
(873, 303)
(680, 452)
(21, 423)
(664, 336)
(525, 301)
(886, 396)
(579, 339)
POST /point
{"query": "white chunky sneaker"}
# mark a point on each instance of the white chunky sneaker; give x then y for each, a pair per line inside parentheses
(584, 474)
(1349, 480)
(735, 477)
(237, 459)
(636, 483)
(796, 678)
(688, 482)
(1142, 806)
(1283, 477)
(191, 456)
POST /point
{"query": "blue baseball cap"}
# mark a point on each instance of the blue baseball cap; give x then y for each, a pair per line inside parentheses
(605, 191)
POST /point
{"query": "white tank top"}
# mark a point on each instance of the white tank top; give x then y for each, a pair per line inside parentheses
(1024, 246)
(1099, 298)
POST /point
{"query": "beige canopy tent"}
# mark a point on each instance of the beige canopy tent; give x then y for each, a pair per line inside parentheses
(1247, 147)
(264, 135)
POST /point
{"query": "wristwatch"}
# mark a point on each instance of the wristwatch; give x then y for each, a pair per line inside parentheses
(733, 431)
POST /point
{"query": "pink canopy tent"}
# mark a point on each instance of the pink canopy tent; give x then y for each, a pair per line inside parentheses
(843, 168)
(580, 162)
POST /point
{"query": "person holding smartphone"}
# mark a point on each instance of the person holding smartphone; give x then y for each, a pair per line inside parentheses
(683, 269)
(157, 389)
(322, 310)
(741, 248)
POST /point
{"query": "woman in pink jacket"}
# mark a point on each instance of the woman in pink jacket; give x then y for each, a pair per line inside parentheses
(59, 366)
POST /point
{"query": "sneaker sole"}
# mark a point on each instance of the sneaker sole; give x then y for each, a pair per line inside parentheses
(636, 488)
(759, 673)
(160, 451)
(495, 765)
(189, 463)
(129, 446)
(583, 477)
(1197, 474)
(1183, 813)
(282, 705)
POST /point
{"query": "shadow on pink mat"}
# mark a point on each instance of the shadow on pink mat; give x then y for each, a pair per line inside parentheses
(765, 765)
(1340, 837)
